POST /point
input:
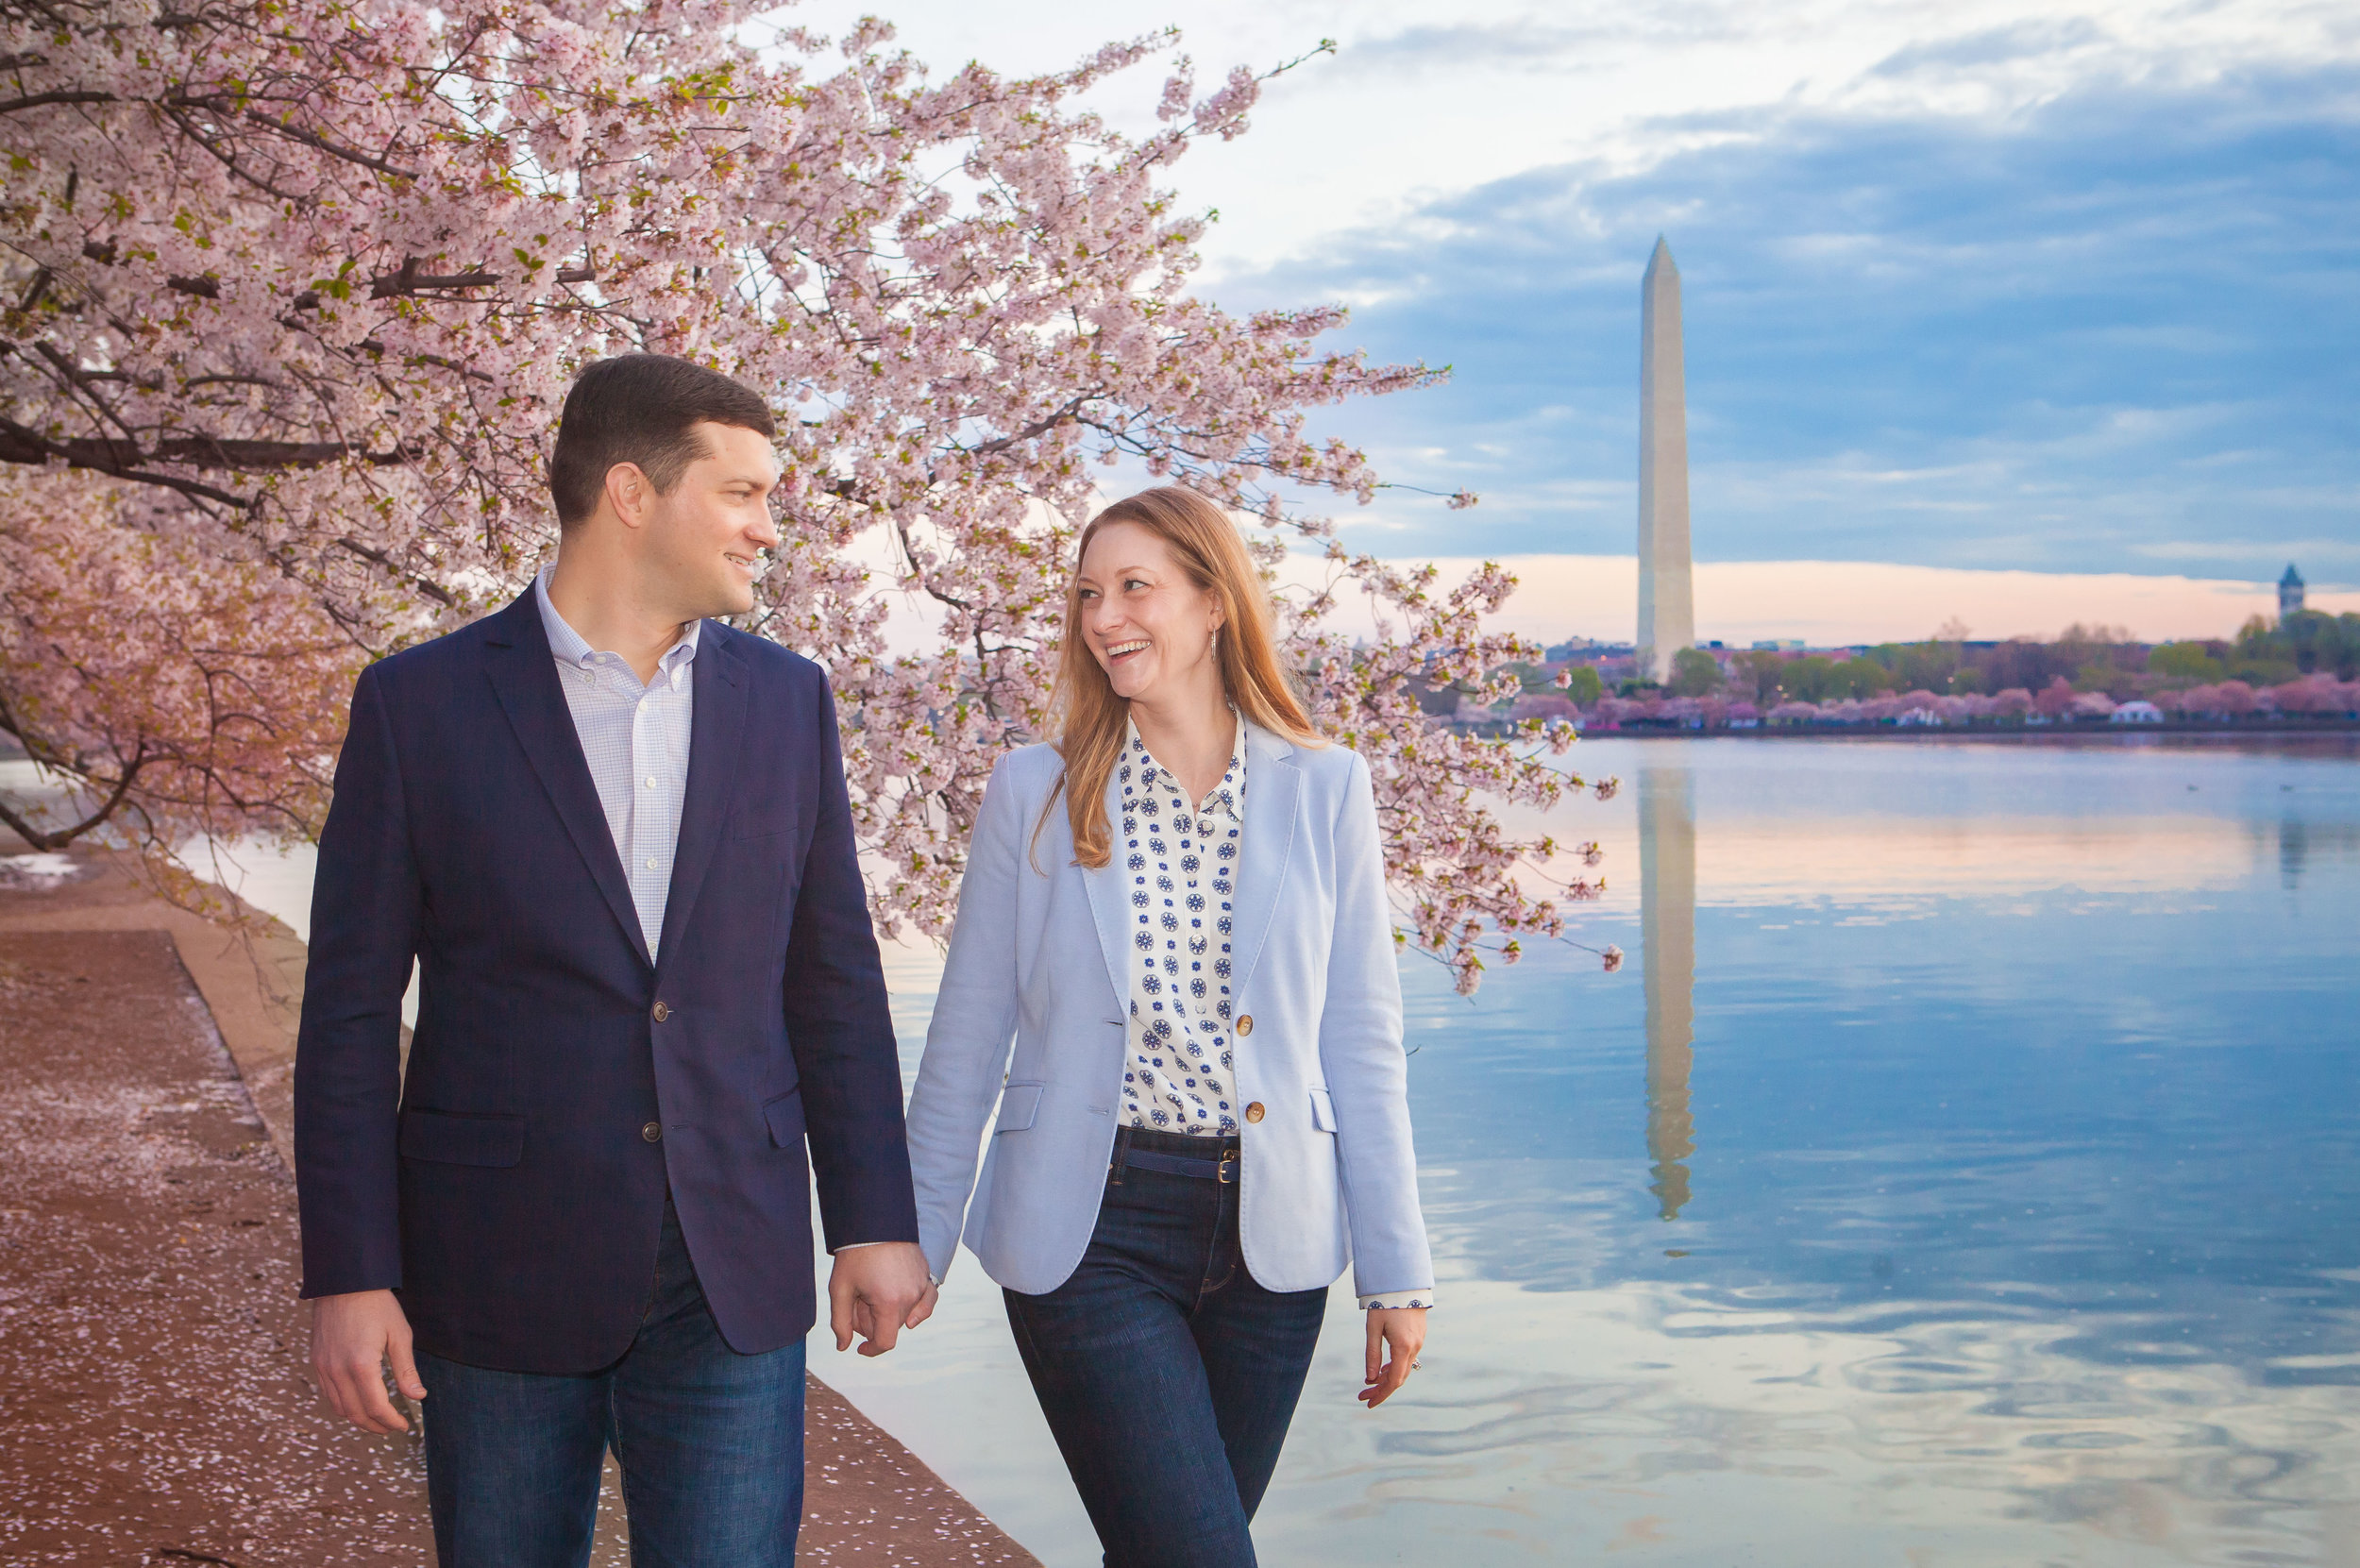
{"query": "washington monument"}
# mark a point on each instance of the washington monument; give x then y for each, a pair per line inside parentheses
(1667, 607)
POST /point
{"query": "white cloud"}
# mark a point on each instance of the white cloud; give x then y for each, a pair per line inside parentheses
(1410, 109)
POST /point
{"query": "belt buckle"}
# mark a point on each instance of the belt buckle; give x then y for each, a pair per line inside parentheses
(1228, 1164)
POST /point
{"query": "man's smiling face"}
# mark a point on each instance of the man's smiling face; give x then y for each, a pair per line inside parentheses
(709, 535)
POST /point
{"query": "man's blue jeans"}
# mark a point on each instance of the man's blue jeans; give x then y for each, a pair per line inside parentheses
(710, 1443)
(1168, 1376)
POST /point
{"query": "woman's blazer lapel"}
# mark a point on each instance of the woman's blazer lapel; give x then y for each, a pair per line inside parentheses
(1274, 794)
(1109, 889)
(1273, 791)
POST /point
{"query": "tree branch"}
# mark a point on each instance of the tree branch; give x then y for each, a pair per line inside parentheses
(51, 843)
(37, 100)
(432, 590)
(117, 459)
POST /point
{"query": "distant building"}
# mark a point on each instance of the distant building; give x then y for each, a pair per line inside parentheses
(2139, 711)
(2290, 592)
(1778, 645)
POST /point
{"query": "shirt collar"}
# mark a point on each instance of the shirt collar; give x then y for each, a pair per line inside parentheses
(571, 647)
(1225, 800)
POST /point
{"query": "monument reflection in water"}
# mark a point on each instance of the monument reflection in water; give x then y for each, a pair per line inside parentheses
(1667, 947)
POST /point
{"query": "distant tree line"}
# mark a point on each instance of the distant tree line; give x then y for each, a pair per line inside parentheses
(2269, 665)
(2088, 658)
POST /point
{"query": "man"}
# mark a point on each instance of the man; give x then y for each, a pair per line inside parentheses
(616, 839)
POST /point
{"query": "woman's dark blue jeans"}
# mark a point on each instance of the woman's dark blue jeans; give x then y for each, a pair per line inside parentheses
(1168, 1376)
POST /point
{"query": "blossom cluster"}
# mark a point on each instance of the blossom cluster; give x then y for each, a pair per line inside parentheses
(291, 294)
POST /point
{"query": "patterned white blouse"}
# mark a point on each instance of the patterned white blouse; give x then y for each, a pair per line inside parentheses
(1183, 859)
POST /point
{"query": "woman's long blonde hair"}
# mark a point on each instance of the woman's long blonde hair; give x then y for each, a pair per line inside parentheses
(1092, 720)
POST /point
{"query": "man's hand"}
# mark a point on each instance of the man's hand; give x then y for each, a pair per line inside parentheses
(1402, 1331)
(352, 1338)
(876, 1291)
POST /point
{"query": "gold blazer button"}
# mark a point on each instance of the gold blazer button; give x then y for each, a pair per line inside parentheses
(1245, 1023)
(1253, 1112)
(662, 1012)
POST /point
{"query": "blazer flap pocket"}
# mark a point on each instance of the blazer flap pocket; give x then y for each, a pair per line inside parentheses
(1323, 1111)
(459, 1138)
(784, 1116)
(1019, 1104)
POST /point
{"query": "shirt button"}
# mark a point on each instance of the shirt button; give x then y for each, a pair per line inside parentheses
(652, 1132)
(652, 863)
(1245, 1023)
(650, 781)
(662, 1012)
(1255, 1111)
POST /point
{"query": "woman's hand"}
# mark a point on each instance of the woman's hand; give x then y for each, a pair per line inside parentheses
(1401, 1331)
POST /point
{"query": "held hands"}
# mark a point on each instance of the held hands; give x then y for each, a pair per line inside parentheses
(353, 1337)
(877, 1292)
(1400, 1330)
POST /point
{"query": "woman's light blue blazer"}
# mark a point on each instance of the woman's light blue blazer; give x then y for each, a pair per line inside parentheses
(1040, 957)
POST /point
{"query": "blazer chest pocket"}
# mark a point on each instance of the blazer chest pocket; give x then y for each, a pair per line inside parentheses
(777, 818)
(1323, 1111)
(1019, 1104)
(457, 1138)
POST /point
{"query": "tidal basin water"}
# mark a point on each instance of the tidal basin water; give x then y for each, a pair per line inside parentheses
(1960, 1170)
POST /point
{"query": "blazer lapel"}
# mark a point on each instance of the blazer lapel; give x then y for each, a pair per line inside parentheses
(716, 735)
(1273, 791)
(523, 674)
(1109, 889)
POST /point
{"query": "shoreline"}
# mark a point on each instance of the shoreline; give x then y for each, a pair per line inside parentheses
(2012, 733)
(197, 987)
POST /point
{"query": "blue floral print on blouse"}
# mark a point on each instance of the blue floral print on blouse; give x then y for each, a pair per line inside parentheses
(1182, 859)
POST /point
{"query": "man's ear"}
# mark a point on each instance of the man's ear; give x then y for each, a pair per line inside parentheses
(627, 492)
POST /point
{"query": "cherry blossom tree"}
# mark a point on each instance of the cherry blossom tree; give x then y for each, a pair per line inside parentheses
(2232, 699)
(290, 295)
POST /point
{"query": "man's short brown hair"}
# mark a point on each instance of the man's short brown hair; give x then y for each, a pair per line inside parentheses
(642, 409)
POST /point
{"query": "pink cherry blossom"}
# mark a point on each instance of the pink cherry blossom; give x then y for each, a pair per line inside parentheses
(293, 293)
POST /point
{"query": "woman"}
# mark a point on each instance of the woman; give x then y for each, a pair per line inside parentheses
(1178, 915)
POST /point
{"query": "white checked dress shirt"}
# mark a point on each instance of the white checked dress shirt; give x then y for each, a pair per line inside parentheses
(635, 739)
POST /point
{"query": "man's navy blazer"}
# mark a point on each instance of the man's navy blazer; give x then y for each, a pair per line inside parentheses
(511, 1185)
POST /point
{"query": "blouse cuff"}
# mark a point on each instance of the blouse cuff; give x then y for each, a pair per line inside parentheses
(1394, 1300)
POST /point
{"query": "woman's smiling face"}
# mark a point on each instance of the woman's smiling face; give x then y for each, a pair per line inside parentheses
(1150, 627)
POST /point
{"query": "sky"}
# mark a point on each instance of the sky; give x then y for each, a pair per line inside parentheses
(1983, 286)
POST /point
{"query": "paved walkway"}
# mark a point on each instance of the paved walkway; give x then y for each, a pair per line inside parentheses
(155, 1407)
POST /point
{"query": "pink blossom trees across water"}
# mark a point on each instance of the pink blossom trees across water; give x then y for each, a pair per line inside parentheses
(293, 291)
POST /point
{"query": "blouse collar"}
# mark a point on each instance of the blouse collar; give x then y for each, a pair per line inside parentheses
(1227, 798)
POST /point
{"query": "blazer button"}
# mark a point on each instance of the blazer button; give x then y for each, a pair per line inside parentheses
(662, 1012)
(652, 1132)
(1245, 1023)
(1254, 1112)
